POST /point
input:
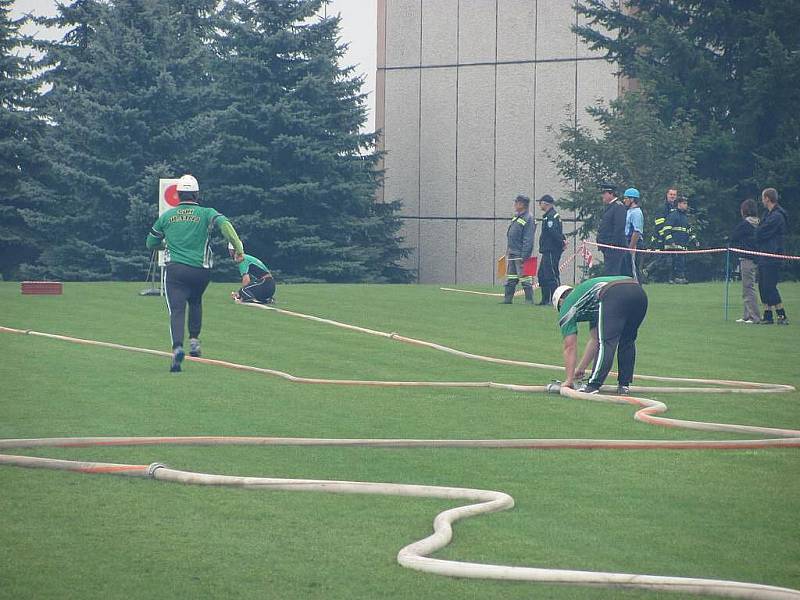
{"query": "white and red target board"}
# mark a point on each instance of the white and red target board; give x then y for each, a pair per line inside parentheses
(167, 198)
(167, 195)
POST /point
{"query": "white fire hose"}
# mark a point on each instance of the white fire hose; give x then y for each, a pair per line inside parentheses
(417, 555)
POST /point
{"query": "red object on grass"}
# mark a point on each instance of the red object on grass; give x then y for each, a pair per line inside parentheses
(529, 266)
(52, 288)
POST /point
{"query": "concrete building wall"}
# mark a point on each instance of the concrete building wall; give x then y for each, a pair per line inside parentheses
(470, 93)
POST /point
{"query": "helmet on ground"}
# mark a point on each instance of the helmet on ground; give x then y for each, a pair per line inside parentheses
(560, 292)
(631, 193)
(187, 183)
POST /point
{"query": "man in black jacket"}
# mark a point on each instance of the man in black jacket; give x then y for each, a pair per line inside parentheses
(551, 245)
(769, 238)
(612, 230)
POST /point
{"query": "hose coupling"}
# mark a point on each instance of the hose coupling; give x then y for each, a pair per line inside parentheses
(152, 468)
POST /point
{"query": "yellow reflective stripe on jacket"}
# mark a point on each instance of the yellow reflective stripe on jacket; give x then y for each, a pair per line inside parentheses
(519, 220)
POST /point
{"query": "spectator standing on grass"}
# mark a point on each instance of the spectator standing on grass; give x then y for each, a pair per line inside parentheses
(678, 235)
(551, 245)
(184, 232)
(614, 307)
(744, 238)
(634, 231)
(612, 230)
(657, 235)
(769, 239)
(258, 285)
(519, 247)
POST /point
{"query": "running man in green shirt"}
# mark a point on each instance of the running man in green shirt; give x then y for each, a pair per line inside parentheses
(184, 232)
(258, 285)
(615, 307)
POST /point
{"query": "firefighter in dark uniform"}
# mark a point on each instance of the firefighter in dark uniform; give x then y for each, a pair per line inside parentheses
(657, 236)
(519, 247)
(551, 245)
(678, 235)
(612, 230)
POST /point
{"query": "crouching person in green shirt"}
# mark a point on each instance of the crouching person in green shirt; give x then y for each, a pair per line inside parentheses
(184, 232)
(258, 285)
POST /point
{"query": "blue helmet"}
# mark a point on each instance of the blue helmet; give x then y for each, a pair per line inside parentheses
(631, 193)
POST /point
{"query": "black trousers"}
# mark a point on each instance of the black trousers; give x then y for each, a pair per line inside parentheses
(548, 274)
(258, 291)
(612, 261)
(185, 285)
(768, 281)
(622, 310)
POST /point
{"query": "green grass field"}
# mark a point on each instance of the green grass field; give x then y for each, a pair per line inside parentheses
(712, 514)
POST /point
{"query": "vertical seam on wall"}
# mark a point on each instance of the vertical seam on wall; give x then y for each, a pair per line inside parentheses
(458, 69)
(535, 74)
(383, 132)
(419, 151)
(575, 124)
(494, 158)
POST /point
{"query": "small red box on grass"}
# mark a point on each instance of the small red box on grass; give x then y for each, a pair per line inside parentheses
(51, 288)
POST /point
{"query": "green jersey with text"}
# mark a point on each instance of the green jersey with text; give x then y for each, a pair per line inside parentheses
(187, 231)
(582, 304)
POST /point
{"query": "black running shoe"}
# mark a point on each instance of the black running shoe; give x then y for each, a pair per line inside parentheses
(194, 347)
(623, 390)
(589, 388)
(177, 358)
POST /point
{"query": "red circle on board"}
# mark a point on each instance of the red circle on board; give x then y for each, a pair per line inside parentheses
(171, 195)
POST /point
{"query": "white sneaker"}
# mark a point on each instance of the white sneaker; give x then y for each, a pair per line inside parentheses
(742, 320)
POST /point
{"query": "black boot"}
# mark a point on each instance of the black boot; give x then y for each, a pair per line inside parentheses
(767, 318)
(508, 297)
(528, 289)
(547, 295)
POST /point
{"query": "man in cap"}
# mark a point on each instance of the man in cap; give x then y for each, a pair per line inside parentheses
(184, 232)
(611, 230)
(634, 228)
(519, 247)
(551, 245)
(614, 307)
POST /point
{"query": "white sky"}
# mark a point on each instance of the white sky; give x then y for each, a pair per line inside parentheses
(358, 29)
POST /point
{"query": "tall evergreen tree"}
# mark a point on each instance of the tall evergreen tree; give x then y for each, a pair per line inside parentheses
(730, 66)
(20, 131)
(126, 85)
(285, 157)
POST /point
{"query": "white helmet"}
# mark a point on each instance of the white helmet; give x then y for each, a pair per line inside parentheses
(560, 292)
(187, 183)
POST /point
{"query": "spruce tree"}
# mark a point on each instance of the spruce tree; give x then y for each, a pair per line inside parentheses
(285, 158)
(20, 131)
(731, 67)
(127, 83)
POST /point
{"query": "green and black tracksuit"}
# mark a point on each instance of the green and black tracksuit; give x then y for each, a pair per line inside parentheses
(185, 233)
(616, 306)
(262, 286)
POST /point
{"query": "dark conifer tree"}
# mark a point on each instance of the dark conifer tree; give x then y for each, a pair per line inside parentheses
(126, 86)
(20, 131)
(732, 68)
(285, 157)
